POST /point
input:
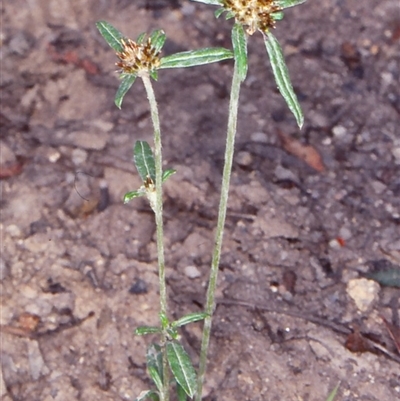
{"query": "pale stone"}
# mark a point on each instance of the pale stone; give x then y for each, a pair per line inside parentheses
(363, 292)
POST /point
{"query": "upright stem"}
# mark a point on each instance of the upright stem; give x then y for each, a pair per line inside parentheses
(159, 222)
(223, 204)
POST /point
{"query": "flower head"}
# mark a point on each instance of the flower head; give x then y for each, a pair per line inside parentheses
(255, 14)
(138, 58)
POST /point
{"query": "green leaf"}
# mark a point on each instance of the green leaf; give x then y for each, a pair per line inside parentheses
(143, 330)
(192, 58)
(180, 392)
(154, 364)
(140, 38)
(112, 35)
(144, 160)
(164, 321)
(219, 12)
(278, 16)
(133, 194)
(154, 75)
(148, 394)
(167, 174)
(332, 395)
(190, 318)
(157, 40)
(156, 378)
(387, 277)
(212, 2)
(281, 76)
(181, 367)
(125, 85)
(288, 3)
(239, 42)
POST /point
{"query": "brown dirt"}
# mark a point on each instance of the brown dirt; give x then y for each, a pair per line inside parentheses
(77, 279)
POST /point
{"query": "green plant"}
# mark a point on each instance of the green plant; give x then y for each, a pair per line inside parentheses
(141, 59)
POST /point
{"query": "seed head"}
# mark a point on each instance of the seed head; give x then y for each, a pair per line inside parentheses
(138, 58)
(255, 14)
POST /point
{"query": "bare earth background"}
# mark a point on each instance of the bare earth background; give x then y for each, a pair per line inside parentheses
(77, 276)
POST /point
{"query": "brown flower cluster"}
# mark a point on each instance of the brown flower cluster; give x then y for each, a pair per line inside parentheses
(255, 14)
(137, 58)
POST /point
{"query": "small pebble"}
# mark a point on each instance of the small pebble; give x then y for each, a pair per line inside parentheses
(244, 159)
(79, 156)
(192, 272)
(259, 137)
(363, 292)
(339, 131)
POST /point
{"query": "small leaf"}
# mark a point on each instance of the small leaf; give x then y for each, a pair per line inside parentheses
(148, 394)
(143, 330)
(157, 40)
(192, 58)
(387, 277)
(125, 85)
(164, 321)
(239, 42)
(112, 35)
(167, 174)
(229, 15)
(144, 160)
(219, 12)
(156, 378)
(140, 38)
(281, 75)
(181, 367)
(133, 194)
(278, 16)
(180, 392)
(289, 3)
(190, 318)
(212, 2)
(172, 333)
(154, 362)
(154, 75)
(332, 395)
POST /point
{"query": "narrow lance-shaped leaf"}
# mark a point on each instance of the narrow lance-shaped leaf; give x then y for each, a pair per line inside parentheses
(212, 2)
(154, 364)
(143, 330)
(181, 367)
(167, 174)
(133, 194)
(281, 75)
(189, 318)
(195, 57)
(148, 394)
(144, 160)
(332, 395)
(289, 3)
(157, 40)
(124, 86)
(239, 42)
(180, 392)
(111, 35)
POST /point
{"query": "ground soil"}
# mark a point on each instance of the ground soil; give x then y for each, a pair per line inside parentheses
(78, 268)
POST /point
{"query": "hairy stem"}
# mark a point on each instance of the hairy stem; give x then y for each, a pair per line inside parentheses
(158, 211)
(223, 204)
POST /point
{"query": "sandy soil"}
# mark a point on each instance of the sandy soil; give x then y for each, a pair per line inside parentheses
(78, 268)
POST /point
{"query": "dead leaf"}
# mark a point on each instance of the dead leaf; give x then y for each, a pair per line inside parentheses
(356, 342)
(394, 332)
(304, 152)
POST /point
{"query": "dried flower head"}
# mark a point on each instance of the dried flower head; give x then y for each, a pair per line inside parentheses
(255, 14)
(138, 58)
